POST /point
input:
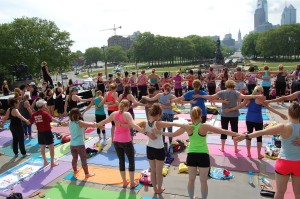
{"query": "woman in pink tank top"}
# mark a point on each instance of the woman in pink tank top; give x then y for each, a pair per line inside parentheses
(122, 139)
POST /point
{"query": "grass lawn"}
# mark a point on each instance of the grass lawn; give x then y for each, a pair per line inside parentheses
(288, 66)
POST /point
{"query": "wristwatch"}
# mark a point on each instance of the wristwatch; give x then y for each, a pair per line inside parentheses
(145, 133)
(247, 137)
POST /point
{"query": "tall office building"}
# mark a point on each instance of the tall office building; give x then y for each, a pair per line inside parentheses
(261, 23)
(288, 15)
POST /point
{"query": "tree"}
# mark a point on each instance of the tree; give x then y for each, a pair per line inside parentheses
(249, 45)
(92, 56)
(116, 54)
(33, 40)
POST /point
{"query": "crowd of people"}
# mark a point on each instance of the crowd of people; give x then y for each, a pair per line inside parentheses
(120, 95)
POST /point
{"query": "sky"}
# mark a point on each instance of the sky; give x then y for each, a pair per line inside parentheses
(84, 20)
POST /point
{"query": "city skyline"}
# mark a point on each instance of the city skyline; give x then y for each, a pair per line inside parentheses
(84, 20)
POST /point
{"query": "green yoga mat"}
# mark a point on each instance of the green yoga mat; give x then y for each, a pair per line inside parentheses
(62, 150)
(63, 191)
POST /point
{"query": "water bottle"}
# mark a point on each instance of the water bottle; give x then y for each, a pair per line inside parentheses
(266, 182)
(250, 176)
(171, 149)
(268, 150)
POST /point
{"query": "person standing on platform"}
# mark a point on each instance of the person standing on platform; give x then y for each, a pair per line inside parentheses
(45, 73)
(5, 88)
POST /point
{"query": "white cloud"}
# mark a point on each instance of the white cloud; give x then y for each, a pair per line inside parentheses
(84, 19)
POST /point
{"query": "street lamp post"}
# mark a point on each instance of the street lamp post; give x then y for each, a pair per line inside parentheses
(105, 62)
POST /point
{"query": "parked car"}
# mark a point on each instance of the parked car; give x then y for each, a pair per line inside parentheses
(88, 84)
(64, 76)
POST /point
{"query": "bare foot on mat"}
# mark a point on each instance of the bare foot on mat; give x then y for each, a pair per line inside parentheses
(54, 164)
(89, 175)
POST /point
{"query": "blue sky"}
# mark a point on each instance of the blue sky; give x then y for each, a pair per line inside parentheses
(177, 18)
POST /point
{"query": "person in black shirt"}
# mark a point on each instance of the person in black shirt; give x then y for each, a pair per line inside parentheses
(45, 73)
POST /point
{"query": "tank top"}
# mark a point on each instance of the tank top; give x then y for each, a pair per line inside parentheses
(197, 142)
(163, 100)
(280, 78)
(100, 110)
(266, 83)
(34, 93)
(130, 110)
(15, 122)
(71, 104)
(126, 81)
(158, 142)
(254, 113)
(121, 134)
(44, 71)
(211, 79)
(132, 81)
(120, 85)
(177, 80)
(24, 112)
(56, 94)
(110, 98)
(99, 81)
(5, 91)
(142, 80)
(190, 80)
(68, 90)
(288, 150)
(252, 79)
(77, 134)
(153, 80)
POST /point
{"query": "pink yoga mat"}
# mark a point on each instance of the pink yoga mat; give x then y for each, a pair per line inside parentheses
(185, 116)
(289, 194)
(61, 129)
(139, 111)
(229, 163)
(40, 179)
(270, 165)
(241, 124)
(6, 133)
(229, 151)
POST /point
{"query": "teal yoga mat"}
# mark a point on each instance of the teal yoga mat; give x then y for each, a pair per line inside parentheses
(33, 150)
(34, 142)
(140, 116)
(243, 117)
(111, 159)
(245, 110)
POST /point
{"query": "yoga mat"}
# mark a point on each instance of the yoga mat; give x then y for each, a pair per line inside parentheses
(111, 159)
(34, 142)
(4, 141)
(243, 117)
(61, 129)
(184, 116)
(62, 150)
(68, 157)
(215, 139)
(137, 111)
(20, 172)
(6, 133)
(229, 151)
(236, 188)
(140, 116)
(107, 132)
(106, 176)
(289, 194)
(140, 136)
(229, 163)
(90, 130)
(40, 179)
(270, 165)
(245, 110)
(138, 149)
(63, 191)
(34, 151)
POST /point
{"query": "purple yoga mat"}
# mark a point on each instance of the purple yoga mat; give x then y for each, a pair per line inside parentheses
(139, 111)
(5, 141)
(6, 133)
(40, 179)
(270, 165)
(229, 163)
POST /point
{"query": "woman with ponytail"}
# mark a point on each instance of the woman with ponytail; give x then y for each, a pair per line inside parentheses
(198, 154)
(122, 139)
(254, 119)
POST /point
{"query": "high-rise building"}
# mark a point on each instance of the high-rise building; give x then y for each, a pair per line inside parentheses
(228, 41)
(261, 23)
(288, 15)
(124, 42)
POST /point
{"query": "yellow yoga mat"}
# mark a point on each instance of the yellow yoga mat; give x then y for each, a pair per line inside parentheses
(104, 176)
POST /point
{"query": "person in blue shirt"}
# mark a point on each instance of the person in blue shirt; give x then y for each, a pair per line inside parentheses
(254, 119)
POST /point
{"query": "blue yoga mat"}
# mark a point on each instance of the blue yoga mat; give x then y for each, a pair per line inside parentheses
(71, 177)
(34, 142)
(34, 151)
(107, 132)
(138, 148)
(20, 172)
(111, 159)
(243, 117)
(245, 110)
(140, 116)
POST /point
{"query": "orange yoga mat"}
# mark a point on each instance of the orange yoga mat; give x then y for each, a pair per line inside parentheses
(140, 120)
(105, 176)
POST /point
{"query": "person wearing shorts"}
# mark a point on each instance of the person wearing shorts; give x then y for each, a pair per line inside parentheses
(288, 163)
(198, 154)
(42, 120)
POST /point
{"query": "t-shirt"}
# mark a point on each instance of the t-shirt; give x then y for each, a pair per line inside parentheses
(177, 80)
(200, 101)
(42, 120)
(232, 97)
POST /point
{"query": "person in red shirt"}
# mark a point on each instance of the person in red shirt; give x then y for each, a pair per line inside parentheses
(42, 120)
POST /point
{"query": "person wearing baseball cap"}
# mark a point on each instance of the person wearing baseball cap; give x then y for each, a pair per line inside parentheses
(42, 120)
